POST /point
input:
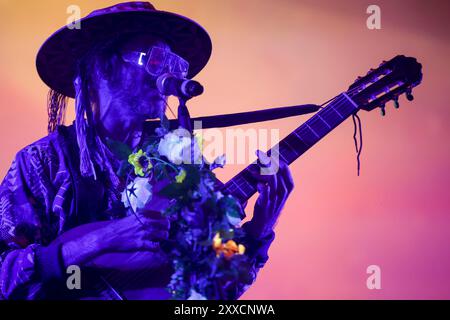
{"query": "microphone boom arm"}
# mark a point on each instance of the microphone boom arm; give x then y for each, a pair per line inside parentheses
(235, 119)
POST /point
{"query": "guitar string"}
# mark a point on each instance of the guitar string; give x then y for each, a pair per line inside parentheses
(241, 185)
(302, 129)
(246, 188)
(324, 110)
(132, 277)
(309, 121)
(350, 92)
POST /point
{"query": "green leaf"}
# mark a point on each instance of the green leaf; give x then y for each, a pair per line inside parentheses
(227, 234)
(192, 176)
(120, 149)
(160, 171)
(124, 168)
(173, 190)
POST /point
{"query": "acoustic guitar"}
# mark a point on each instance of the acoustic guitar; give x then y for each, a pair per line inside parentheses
(130, 276)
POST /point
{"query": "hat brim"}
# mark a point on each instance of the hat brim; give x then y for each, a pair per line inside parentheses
(57, 58)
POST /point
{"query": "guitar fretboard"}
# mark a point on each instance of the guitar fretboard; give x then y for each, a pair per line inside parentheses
(243, 186)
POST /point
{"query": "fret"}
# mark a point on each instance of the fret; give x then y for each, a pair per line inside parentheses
(294, 140)
(332, 117)
(347, 106)
(311, 129)
(319, 128)
(282, 156)
(350, 100)
(323, 120)
(308, 136)
(340, 115)
(300, 138)
(232, 187)
(286, 154)
(289, 146)
(239, 188)
(246, 189)
(298, 142)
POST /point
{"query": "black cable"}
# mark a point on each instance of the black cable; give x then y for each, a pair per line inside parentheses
(357, 128)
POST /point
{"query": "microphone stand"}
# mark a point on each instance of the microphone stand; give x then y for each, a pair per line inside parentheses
(184, 118)
(228, 120)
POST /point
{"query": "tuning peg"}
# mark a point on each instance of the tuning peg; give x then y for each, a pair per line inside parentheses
(370, 70)
(396, 104)
(409, 95)
(383, 110)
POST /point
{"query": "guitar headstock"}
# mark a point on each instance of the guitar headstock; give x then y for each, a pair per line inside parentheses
(391, 79)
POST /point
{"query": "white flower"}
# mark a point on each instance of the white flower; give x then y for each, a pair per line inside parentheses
(196, 296)
(176, 146)
(219, 195)
(137, 193)
(234, 220)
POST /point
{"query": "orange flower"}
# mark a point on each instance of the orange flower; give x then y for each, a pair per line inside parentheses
(229, 249)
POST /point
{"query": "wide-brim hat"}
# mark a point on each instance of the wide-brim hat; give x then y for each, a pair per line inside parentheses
(57, 58)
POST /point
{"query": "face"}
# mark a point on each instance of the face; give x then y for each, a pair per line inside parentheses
(128, 92)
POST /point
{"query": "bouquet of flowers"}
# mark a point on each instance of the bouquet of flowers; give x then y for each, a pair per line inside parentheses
(208, 259)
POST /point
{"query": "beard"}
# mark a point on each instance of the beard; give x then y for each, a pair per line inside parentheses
(148, 104)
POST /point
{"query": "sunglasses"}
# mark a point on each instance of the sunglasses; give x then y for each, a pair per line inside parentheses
(158, 61)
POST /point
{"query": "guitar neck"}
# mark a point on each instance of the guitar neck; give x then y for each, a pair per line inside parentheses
(243, 186)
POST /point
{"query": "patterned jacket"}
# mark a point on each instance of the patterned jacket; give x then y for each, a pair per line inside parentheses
(43, 195)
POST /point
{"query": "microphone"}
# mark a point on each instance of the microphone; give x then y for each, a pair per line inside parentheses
(169, 84)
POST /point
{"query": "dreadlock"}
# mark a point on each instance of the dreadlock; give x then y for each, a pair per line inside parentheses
(92, 149)
(56, 109)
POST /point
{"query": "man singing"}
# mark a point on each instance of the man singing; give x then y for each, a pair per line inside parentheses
(67, 180)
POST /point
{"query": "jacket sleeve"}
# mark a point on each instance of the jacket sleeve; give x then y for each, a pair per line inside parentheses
(26, 264)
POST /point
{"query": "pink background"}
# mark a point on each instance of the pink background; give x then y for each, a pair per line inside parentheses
(395, 215)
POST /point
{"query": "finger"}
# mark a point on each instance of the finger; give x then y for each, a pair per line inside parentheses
(287, 178)
(282, 192)
(161, 224)
(262, 198)
(265, 202)
(285, 185)
(255, 171)
(263, 159)
(155, 234)
(265, 167)
(282, 182)
(272, 195)
(273, 183)
(146, 245)
(148, 213)
(151, 217)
